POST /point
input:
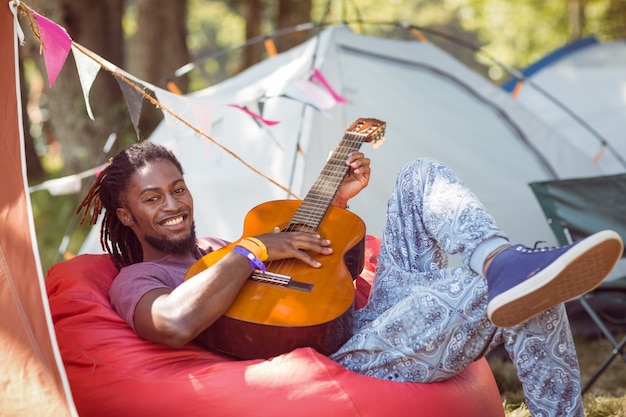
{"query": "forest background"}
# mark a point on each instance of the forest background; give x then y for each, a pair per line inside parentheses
(154, 39)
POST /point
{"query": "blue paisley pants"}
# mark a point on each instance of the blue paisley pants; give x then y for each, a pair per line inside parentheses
(426, 321)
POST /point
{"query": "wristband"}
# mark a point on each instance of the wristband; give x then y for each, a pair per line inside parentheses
(255, 246)
(255, 263)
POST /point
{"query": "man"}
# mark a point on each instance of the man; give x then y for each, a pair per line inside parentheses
(424, 321)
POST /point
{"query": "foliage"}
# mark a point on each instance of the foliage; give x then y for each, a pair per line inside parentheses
(519, 33)
(213, 26)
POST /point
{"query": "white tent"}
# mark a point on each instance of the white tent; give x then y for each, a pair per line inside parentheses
(580, 91)
(433, 105)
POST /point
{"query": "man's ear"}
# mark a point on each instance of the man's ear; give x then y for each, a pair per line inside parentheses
(124, 216)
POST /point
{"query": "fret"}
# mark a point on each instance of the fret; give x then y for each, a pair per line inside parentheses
(319, 198)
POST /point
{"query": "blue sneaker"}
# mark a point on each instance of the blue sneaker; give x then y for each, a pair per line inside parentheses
(524, 282)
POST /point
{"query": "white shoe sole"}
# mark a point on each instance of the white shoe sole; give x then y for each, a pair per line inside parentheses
(576, 272)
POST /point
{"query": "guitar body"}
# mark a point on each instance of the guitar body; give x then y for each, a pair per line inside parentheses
(267, 319)
(293, 305)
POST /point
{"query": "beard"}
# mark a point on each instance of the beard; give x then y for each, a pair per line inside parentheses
(174, 246)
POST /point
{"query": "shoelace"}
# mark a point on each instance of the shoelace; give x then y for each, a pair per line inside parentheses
(526, 249)
(538, 242)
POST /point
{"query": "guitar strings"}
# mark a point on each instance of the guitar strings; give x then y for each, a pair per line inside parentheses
(317, 201)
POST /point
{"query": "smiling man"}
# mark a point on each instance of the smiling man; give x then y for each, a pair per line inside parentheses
(424, 321)
(162, 215)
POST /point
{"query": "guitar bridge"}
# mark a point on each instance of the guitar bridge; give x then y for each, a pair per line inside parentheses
(280, 280)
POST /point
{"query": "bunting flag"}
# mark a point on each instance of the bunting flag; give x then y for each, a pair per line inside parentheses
(201, 111)
(134, 101)
(317, 75)
(309, 93)
(260, 121)
(518, 87)
(261, 106)
(172, 102)
(176, 112)
(56, 45)
(418, 34)
(71, 184)
(255, 116)
(270, 47)
(60, 186)
(88, 70)
(600, 152)
(196, 113)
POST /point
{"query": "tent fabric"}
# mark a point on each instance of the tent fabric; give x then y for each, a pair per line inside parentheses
(579, 90)
(113, 372)
(31, 375)
(433, 105)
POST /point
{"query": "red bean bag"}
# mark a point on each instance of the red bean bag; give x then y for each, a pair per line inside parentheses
(112, 372)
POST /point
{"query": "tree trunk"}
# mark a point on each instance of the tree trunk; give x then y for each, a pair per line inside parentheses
(576, 19)
(157, 49)
(253, 14)
(291, 13)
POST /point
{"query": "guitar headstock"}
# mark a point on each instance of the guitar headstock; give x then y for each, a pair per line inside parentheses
(372, 129)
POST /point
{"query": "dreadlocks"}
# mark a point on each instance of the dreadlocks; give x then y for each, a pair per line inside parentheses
(107, 192)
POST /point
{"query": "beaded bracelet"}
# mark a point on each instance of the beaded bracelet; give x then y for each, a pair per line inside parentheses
(255, 263)
(255, 246)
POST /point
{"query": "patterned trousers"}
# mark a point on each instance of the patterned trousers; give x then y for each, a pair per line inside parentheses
(426, 321)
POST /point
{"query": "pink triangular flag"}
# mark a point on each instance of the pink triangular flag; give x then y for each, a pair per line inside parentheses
(254, 115)
(317, 75)
(56, 46)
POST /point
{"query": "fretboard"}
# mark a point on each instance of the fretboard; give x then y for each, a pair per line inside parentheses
(320, 196)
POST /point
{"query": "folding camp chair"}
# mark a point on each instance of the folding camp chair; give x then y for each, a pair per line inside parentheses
(576, 208)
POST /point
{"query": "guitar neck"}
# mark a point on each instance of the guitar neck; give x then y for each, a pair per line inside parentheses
(320, 196)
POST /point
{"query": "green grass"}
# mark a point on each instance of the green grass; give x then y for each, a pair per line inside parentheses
(605, 398)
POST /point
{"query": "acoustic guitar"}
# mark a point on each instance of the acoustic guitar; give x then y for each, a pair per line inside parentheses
(293, 305)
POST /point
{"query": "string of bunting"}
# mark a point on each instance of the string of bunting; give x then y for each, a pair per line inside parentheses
(56, 44)
(160, 106)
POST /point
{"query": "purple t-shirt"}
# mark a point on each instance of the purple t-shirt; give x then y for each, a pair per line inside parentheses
(134, 281)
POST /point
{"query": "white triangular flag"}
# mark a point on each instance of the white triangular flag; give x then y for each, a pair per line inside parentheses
(195, 113)
(87, 72)
(171, 103)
